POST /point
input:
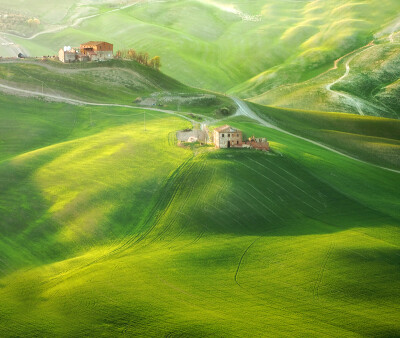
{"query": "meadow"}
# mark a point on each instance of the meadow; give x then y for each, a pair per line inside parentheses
(114, 81)
(368, 138)
(108, 228)
(218, 45)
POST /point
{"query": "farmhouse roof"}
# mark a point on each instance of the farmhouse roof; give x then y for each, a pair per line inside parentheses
(94, 43)
(225, 129)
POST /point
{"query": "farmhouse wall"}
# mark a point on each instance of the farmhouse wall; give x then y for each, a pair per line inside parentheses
(226, 137)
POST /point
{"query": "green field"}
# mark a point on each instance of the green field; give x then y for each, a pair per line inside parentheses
(113, 82)
(206, 44)
(110, 229)
(372, 139)
(274, 52)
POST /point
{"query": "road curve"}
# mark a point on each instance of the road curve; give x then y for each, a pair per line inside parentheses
(244, 110)
(85, 103)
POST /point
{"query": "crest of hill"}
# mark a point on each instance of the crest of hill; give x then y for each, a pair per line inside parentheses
(113, 81)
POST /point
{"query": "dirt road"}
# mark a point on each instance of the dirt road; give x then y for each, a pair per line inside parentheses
(244, 110)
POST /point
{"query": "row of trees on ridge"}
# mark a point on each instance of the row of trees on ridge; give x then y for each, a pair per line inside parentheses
(140, 57)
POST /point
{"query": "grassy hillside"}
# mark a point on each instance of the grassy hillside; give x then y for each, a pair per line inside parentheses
(115, 81)
(219, 45)
(372, 139)
(120, 231)
(371, 84)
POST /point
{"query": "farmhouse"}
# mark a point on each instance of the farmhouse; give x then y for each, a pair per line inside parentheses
(89, 51)
(97, 50)
(67, 54)
(228, 137)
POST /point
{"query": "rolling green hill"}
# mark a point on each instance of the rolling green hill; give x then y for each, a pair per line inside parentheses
(110, 229)
(218, 45)
(115, 81)
(369, 88)
(372, 139)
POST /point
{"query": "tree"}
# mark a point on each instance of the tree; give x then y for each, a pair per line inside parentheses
(155, 62)
(146, 59)
(132, 54)
(141, 58)
(35, 22)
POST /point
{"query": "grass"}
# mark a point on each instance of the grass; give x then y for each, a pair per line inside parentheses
(120, 231)
(202, 44)
(115, 81)
(372, 139)
(372, 81)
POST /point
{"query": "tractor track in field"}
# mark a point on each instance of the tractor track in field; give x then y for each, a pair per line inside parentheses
(244, 110)
(287, 180)
(241, 260)
(280, 187)
(320, 276)
(152, 217)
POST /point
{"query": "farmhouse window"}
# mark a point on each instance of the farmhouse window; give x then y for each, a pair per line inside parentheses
(237, 135)
(229, 135)
(223, 135)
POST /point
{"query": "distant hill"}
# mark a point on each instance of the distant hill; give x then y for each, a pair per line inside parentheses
(249, 48)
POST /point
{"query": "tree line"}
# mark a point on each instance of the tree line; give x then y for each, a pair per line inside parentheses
(141, 57)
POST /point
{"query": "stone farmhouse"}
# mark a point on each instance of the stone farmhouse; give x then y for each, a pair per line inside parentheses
(89, 51)
(223, 137)
(228, 137)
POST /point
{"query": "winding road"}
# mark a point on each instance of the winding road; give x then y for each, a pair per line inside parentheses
(356, 101)
(244, 110)
(58, 98)
(15, 49)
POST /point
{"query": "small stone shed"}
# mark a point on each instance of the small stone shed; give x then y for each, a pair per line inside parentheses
(259, 143)
(192, 135)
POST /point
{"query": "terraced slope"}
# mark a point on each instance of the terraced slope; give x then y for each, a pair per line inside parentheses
(120, 231)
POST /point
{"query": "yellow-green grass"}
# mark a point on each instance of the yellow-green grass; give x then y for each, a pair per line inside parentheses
(372, 139)
(374, 71)
(115, 81)
(120, 231)
(205, 46)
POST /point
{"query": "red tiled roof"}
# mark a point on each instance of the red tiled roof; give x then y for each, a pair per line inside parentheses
(94, 43)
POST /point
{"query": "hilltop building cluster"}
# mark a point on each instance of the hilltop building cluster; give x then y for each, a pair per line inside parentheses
(223, 138)
(89, 51)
